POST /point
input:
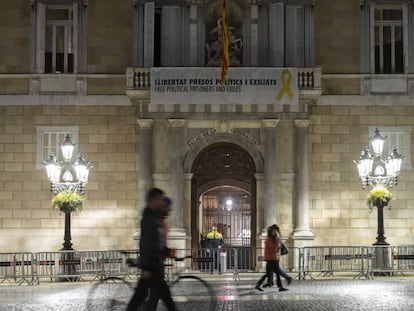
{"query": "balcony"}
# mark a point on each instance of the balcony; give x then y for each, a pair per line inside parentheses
(309, 83)
(62, 84)
(110, 89)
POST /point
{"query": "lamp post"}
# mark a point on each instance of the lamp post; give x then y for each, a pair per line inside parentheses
(378, 169)
(67, 176)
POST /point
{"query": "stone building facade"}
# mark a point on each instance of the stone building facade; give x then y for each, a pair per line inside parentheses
(286, 164)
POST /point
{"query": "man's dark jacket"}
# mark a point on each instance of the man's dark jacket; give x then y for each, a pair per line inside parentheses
(151, 244)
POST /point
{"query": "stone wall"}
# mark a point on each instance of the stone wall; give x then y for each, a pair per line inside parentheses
(110, 31)
(110, 36)
(109, 40)
(107, 138)
(339, 214)
(337, 36)
(15, 36)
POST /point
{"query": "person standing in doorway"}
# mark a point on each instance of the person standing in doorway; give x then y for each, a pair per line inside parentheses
(152, 251)
(214, 243)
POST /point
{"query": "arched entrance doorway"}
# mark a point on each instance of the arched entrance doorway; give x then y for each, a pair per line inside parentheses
(224, 193)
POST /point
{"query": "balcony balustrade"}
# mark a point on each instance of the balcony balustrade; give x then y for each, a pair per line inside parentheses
(139, 78)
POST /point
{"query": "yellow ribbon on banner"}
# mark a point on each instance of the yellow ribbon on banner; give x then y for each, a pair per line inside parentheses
(286, 79)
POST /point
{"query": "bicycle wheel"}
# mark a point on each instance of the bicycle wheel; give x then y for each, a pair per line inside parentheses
(112, 293)
(189, 292)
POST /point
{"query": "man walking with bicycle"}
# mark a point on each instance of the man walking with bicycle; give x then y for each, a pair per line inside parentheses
(152, 252)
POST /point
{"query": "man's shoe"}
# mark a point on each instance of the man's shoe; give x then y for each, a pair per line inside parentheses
(258, 288)
(267, 285)
(289, 281)
(282, 289)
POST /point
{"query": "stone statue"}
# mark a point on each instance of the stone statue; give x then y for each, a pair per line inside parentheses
(214, 46)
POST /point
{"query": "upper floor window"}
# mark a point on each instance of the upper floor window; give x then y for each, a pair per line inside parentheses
(273, 33)
(59, 46)
(387, 29)
(288, 37)
(388, 37)
(59, 40)
(161, 35)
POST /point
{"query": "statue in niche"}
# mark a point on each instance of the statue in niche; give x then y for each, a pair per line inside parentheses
(213, 45)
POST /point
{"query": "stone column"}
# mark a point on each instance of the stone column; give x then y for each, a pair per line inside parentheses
(269, 193)
(193, 34)
(177, 230)
(187, 205)
(254, 35)
(259, 206)
(302, 231)
(145, 160)
(144, 165)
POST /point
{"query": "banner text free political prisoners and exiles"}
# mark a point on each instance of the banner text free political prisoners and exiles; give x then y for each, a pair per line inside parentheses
(195, 85)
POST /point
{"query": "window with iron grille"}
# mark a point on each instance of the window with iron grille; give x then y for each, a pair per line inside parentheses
(49, 139)
(399, 137)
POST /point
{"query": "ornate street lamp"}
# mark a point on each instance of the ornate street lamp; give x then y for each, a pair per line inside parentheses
(379, 170)
(67, 177)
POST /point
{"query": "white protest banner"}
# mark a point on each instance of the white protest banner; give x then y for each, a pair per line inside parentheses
(201, 85)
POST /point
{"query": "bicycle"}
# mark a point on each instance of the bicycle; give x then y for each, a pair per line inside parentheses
(114, 292)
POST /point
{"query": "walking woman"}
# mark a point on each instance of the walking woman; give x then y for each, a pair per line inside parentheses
(282, 272)
(272, 256)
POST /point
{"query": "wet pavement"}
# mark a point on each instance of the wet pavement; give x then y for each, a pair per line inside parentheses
(395, 293)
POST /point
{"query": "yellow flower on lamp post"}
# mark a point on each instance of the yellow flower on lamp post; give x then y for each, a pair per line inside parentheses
(379, 170)
(67, 201)
(379, 195)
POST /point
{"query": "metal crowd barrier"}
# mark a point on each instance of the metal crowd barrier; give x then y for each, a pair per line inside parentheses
(291, 262)
(403, 258)
(92, 264)
(45, 265)
(382, 261)
(207, 260)
(173, 267)
(329, 260)
(390, 260)
(17, 267)
(363, 262)
(62, 265)
(223, 260)
(73, 265)
(113, 263)
(130, 266)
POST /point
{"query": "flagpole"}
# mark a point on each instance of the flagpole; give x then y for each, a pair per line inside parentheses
(225, 62)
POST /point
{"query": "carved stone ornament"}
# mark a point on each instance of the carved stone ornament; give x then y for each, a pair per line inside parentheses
(224, 160)
(201, 136)
(234, 30)
(245, 135)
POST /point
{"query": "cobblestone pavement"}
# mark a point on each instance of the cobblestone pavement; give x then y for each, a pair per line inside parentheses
(319, 295)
